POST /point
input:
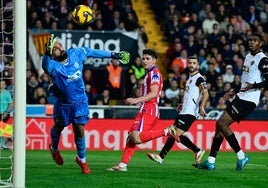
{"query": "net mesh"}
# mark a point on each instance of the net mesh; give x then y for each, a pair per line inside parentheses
(6, 92)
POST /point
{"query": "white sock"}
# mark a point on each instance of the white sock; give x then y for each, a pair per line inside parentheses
(211, 159)
(82, 160)
(122, 165)
(240, 155)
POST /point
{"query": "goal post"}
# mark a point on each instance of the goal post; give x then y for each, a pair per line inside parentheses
(20, 60)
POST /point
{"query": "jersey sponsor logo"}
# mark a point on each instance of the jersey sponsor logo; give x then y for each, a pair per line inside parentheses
(245, 69)
(155, 77)
(75, 76)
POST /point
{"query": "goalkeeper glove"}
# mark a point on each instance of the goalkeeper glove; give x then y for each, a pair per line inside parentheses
(123, 57)
(50, 44)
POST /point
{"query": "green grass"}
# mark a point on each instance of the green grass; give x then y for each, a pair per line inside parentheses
(176, 171)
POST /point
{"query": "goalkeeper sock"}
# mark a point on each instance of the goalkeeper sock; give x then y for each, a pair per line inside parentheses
(55, 137)
(147, 136)
(81, 148)
(168, 145)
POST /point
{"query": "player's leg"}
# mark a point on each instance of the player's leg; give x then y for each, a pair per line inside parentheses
(243, 109)
(198, 152)
(183, 122)
(79, 139)
(80, 118)
(55, 133)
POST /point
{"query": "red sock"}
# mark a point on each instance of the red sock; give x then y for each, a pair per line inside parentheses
(147, 136)
(128, 152)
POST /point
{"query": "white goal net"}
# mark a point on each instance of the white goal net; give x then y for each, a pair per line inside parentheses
(6, 93)
(12, 92)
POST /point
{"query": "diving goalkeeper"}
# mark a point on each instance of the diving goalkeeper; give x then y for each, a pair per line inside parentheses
(71, 106)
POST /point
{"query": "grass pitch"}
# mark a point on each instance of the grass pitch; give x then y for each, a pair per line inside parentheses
(176, 171)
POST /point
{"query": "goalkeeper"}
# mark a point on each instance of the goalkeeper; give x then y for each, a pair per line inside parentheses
(71, 106)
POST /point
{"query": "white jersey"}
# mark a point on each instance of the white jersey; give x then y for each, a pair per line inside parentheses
(192, 95)
(251, 74)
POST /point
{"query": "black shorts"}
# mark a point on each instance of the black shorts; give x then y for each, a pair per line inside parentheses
(239, 109)
(184, 121)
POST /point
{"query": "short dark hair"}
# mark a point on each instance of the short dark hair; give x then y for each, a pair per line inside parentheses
(257, 35)
(194, 57)
(150, 52)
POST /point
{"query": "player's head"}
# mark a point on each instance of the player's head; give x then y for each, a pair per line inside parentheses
(193, 64)
(149, 58)
(255, 42)
(55, 49)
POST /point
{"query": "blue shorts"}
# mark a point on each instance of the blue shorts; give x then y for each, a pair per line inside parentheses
(76, 113)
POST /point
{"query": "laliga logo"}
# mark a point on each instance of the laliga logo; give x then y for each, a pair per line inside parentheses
(86, 41)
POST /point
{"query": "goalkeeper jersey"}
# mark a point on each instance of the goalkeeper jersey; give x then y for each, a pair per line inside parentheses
(68, 84)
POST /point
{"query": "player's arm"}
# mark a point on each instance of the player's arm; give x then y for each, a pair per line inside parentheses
(152, 94)
(263, 67)
(123, 56)
(201, 83)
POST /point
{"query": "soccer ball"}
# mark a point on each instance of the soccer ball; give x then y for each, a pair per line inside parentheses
(82, 15)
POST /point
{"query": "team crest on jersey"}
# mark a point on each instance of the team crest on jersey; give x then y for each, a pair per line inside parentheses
(76, 65)
(252, 62)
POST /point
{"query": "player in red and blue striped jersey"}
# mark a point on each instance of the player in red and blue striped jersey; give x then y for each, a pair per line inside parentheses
(148, 114)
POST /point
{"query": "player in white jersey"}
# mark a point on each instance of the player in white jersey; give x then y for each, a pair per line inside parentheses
(194, 100)
(254, 77)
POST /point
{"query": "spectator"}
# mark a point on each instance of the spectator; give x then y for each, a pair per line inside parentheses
(172, 93)
(104, 98)
(32, 84)
(92, 96)
(203, 13)
(238, 68)
(221, 104)
(39, 93)
(169, 78)
(163, 101)
(240, 25)
(229, 75)
(211, 75)
(179, 64)
(208, 23)
(237, 82)
(114, 73)
(137, 69)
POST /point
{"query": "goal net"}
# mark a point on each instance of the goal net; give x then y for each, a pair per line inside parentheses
(6, 93)
(12, 92)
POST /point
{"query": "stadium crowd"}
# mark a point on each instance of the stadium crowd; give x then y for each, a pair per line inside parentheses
(213, 30)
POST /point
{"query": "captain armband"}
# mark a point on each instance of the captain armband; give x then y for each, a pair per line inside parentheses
(203, 86)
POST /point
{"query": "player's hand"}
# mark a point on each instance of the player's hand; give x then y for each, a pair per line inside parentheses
(179, 107)
(202, 112)
(124, 57)
(229, 94)
(132, 101)
(247, 87)
(49, 45)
